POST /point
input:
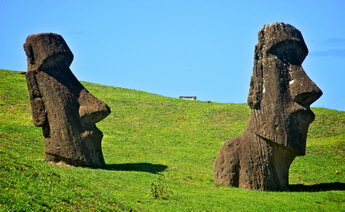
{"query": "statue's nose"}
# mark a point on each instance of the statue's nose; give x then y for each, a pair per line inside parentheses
(303, 90)
(92, 110)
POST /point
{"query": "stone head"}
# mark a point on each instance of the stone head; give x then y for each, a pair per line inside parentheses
(280, 91)
(47, 50)
(61, 105)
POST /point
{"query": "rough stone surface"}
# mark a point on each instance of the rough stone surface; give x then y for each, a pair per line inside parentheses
(64, 109)
(279, 97)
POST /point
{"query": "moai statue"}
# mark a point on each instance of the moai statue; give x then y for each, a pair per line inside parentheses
(64, 109)
(279, 97)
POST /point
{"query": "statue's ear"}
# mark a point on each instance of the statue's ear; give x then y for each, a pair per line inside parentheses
(253, 96)
(29, 53)
(39, 116)
(256, 83)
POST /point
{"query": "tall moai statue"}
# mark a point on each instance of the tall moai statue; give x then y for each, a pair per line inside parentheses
(64, 109)
(280, 96)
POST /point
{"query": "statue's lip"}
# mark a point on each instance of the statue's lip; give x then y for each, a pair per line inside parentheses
(87, 134)
(91, 133)
(305, 112)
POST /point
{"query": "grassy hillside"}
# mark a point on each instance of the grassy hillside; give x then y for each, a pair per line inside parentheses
(160, 153)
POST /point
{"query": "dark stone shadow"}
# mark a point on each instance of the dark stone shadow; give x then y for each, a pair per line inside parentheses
(139, 167)
(336, 186)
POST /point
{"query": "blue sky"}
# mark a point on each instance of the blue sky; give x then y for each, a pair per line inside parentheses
(178, 47)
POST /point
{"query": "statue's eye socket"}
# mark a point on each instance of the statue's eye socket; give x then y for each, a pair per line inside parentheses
(290, 52)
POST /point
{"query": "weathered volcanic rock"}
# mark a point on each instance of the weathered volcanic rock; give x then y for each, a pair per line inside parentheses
(279, 97)
(64, 109)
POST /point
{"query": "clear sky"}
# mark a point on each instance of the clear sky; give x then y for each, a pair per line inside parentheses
(178, 47)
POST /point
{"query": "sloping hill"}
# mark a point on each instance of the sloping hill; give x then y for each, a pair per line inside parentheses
(160, 153)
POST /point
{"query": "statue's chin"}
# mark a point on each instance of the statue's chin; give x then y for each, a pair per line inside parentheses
(298, 124)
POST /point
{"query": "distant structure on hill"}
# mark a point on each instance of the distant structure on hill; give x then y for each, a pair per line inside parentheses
(188, 97)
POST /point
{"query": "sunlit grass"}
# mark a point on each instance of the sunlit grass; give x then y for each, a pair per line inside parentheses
(155, 140)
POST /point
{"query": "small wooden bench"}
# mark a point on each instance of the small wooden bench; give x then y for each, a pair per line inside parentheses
(188, 97)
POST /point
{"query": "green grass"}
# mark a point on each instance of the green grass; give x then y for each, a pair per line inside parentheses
(160, 153)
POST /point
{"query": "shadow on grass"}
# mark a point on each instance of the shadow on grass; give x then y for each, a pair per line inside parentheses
(318, 187)
(139, 167)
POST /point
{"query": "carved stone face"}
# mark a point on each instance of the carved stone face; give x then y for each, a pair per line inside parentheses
(65, 110)
(281, 92)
